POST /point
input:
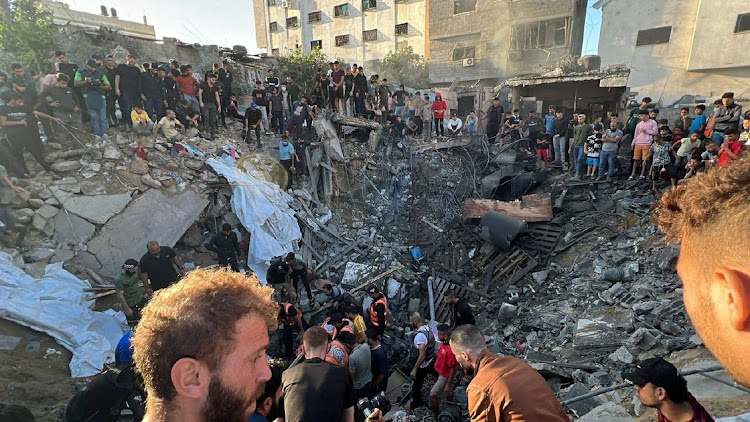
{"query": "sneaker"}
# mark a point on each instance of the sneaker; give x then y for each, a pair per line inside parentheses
(642, 177)
(97, 138)
(105, 137)
(609, 180)
(630, 178)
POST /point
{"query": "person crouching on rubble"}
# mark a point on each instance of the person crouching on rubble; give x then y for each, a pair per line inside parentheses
(142, 123)
(504, 388)
(168, 125)
(660, 386)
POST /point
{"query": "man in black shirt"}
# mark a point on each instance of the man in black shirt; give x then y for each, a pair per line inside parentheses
(259, 98)
(210, 103)
(172, 93)
(152, 92)
(460, 311)
(157, 265)
(495, 116)
(293, 90)
(64, 66)
(279, 277)
(315, 390)
(127, 79)
(61, 99)
(253, 120)
(226, 246)
(108, 393)
(360, 90)
(109, 70)
(271, 79)
(185, 114)
(20, 126)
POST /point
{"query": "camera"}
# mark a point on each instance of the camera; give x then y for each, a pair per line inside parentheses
(96, 83)
(368, 406)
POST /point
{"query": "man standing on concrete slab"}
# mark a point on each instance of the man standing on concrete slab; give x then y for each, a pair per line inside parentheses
(129, 290)
(158, 266)
(660, 386)
(127, 76)
(713, 208)
(226, 246)
(504, 388)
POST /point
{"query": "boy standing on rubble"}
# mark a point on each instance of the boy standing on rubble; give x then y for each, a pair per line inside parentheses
(288, 158)
(593, 149)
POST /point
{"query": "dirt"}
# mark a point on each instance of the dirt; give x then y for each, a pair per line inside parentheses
(29, 379)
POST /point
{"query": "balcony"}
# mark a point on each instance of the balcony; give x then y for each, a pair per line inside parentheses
(341, 10)
(402, 29)
(342, 40)
(292, 22)
(370, 35)
(314, 17)
(369, 4)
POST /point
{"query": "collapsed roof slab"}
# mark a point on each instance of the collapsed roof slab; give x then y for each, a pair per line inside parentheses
(152, 216)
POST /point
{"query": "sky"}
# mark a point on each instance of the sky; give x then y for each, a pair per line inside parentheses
(229, 24)
(191, 21)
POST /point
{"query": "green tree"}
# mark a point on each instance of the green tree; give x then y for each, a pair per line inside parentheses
(404, 66)
(302, 66)
(27, 33)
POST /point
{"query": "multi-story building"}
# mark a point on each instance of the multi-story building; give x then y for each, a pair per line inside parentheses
(356, 31)
(477, 44)
(63, 15)
(679, 51)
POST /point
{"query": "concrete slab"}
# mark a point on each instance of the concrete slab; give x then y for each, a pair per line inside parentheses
(152, 216)
(603, 327)
(97, 208)
(72, 229)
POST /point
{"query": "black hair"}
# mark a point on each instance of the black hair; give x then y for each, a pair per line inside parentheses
(273, 383)
(613, 115)
(444, 328)
(257, 82)
(183, 68)
(16, 96)
(174, 72)
(731, 131)
(15, 66)
(226, 227)
(686, 109)
(701, 107)
(655, 110)
(351, 309)
(347, 338)
(597, 126)
(646, 100)
(677, 390)
(515, 110)
(59, 53)
(373, 334)
(61, 77)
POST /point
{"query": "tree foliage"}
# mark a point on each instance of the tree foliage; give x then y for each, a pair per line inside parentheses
(404, 66)
(27, 33)
(302, 66)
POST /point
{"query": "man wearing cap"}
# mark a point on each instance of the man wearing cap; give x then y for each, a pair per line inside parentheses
(659, 385)
(226, 247)
(378, 309)
(129, 290)
(727, 116)
(93, 83)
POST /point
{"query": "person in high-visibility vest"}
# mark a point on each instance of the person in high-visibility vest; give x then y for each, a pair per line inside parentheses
(291, 318)
(337, 324)
(338, 353)
(378, 309)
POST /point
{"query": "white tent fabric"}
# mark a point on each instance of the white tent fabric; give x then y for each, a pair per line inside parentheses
(55, 304)
(263, 208)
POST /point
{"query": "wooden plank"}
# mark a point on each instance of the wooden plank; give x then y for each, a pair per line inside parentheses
(329, 167)
(460, 142)
(536, 207)
(376, 278)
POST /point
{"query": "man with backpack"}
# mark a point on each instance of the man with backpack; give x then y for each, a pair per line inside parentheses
(424, 342)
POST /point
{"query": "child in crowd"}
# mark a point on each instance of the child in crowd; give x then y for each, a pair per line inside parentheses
(543, 141)
(730, 149)
(142, 123)
(694, 167)
(661, 153)
(710, 155)
(700, 121)
(745, 134)
(593, 149)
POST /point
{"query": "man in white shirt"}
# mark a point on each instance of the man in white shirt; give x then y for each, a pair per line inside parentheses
(454, 125)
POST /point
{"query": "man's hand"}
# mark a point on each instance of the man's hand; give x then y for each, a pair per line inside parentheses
(182, 272)
(143, 97)
(56, 120)
(117, 92)
(128, 312)
(413, 374)
(19, 189)
(149, 291)
(376, 415)
(75, 108)
(218, 109)
(54, 104)
(24, 122)
(449, 391)
(201, 105)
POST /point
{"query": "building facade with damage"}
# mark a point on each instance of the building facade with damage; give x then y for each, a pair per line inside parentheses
(475, 45)
(63, 15)
(679, 51)
(355, 32)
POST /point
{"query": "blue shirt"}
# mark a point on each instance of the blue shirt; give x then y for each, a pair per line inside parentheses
(124, 350)
(697, 122)
(257, 417)
(549, 122)
(286, 152)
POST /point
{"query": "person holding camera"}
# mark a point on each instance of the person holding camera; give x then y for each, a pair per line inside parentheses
(94, 85)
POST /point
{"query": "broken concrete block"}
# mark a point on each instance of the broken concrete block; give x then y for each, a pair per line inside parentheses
(696, 340)
(25, 212)
(152, 216)
(193, 237)
(38, 255)
(36, 202)
(38, 222)
(47, 211)
(72, 229)
(148, 180)
(111, 152)
(622, 355)
(97, 208)
(603, 327)
(63, 166)
(621, 194)
(63, 255)
(540, 276)
(644, 339)
(582, 407)
(139, 166)
(9, 342)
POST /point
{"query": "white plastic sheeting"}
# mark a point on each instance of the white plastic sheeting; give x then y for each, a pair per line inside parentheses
(55, 304)
(263, 208)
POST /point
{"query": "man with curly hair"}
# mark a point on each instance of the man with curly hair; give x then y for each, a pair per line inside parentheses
(712, 209)
(201, 347)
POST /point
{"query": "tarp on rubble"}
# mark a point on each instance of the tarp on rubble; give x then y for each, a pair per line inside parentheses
(55, 304)
(263, 208)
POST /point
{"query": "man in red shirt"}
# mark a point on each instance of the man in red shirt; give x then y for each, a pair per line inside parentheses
(731, 148)
(188, 86)
(446, 366)
(438, 107)
(659, 385)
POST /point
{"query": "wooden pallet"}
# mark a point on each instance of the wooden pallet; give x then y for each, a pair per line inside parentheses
(501, 267)
(546, 237)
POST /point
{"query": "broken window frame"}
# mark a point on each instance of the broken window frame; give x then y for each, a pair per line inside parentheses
(315, 17)
(292, 22)
(316, 44)
(543, 34)
(457, 4)
(275, 52)
(273, 26)
(341, 10)
(341, 40)
(370, 35)
(402, 28)
(743, 23)
(369, 4)
(654, 36)
(464, 53)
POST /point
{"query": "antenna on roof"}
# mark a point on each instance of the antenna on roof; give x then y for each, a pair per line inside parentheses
(104, 10)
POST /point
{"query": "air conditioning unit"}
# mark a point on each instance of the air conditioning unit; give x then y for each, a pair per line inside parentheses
(468, 62)
(285, 4)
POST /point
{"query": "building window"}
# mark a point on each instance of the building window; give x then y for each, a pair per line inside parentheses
(369, 4)
(313, 17)
(272, 2)
(464, 6)
(292, 22)
(341, 10)
(743, 23)
(342, 40)
(275, 52)
(316, 44)
(654, 36)
(402, 29)
(273, 26)
(460, 53)
(370, 35)
(542, 34)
